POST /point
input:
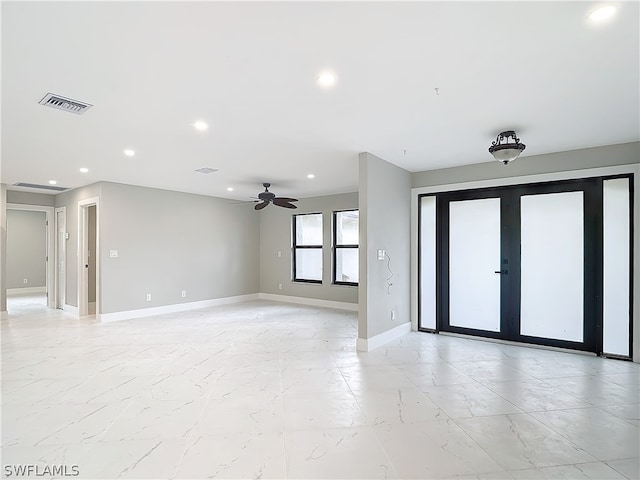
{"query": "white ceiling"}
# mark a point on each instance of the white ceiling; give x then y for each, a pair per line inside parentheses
(249, 69)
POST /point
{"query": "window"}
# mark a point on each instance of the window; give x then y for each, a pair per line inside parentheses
(345, 247)
(307, 248)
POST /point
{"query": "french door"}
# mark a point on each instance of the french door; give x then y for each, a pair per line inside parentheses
(521, 263)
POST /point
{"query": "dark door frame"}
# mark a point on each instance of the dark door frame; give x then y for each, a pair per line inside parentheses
(510, 257)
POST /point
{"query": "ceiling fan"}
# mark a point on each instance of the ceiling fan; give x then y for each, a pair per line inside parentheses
(267, 197)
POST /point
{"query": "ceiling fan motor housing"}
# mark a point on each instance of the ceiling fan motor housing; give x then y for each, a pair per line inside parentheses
(266, 196)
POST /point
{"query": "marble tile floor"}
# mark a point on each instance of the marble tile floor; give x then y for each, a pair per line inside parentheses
(268, 390)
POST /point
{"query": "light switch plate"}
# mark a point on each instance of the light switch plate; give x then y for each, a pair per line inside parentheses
(113, 253)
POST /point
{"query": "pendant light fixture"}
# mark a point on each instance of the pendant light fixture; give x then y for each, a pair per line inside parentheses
(506, 147)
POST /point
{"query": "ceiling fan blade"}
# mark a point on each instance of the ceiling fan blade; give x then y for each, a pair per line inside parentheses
(260, 206)
(282, 203)
(286, 199)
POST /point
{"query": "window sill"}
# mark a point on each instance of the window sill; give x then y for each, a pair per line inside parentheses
(344, 284)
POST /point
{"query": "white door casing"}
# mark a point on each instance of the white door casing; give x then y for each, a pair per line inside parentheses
(83, 255)
(60, 257)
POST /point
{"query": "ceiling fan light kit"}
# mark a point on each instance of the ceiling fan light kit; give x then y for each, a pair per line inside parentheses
(267, 197)
(506, 147)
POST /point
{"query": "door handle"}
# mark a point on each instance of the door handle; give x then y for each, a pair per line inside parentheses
(502, 272)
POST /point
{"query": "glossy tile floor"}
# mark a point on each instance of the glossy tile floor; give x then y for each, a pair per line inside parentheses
(268, 390)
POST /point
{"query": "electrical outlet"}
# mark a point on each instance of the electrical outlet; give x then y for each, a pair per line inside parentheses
(381, 254)
(183, 294)
(393, 314)
(25, 281)
(279, 254)
(279, 286)
(148, 297)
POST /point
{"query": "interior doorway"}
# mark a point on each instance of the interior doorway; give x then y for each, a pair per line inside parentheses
(88, 258)
(41, 260)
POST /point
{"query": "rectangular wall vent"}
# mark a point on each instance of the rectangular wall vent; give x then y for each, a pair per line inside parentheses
(63, 103)
(42, 187)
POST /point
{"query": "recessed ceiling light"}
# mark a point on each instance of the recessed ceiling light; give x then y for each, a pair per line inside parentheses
(130, 153)
(327, 79)
(84, 170)
(602, 13)
(311, 175)
(230, 189)
(200, 125)
(52, 182)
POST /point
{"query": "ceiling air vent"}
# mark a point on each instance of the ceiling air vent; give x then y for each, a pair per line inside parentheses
(42, 187)
(63, 103)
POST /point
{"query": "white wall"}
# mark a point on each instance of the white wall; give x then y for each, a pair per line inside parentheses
(385, 223)
(3, 250)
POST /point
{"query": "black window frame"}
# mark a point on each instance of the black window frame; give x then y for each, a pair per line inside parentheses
(336, 246)
(295, 247)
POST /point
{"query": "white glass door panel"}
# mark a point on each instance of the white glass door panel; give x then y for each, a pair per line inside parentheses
(616, 254)
(428, 262)
(474, 256)
(552, 266)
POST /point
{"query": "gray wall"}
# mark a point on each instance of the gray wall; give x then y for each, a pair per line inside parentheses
(3, 248)
(28, 198)
(170, 241)
(275, 236)
(610, 155)
(26, 249)
(385, 223)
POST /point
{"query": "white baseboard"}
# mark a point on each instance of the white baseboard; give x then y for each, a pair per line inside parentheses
(181, 307)
(26, 290)
(4, 315)
(315, 302)
(368, 344)
(178, 307)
